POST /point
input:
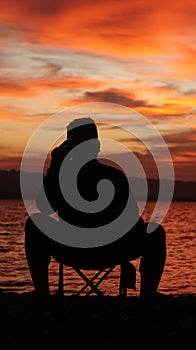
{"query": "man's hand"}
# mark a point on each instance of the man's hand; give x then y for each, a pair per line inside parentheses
(58, 154)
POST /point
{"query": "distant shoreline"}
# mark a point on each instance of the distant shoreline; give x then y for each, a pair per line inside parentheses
(10, 187)
(139, 200)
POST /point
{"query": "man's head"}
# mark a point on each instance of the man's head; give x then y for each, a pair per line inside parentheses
(81, 130)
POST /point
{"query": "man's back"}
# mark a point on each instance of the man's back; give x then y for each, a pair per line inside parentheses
(88, 184)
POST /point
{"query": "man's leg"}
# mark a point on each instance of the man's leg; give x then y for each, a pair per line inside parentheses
(38, 253)
(152, 263)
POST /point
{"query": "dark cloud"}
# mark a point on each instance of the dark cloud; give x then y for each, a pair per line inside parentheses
(53, 69)
(182, 138)
(37, 7)
(166, 87)
(49, 7)
(115, 96)
(18, 88)
(190, 93)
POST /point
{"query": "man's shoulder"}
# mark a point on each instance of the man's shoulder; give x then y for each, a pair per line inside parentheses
(110, 166)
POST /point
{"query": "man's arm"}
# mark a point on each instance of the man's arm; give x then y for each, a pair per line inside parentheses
(48, 197)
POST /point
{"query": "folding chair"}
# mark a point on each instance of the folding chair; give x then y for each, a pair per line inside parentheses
(90, 285)
(127, 279)
(99, 276)
(101, 262)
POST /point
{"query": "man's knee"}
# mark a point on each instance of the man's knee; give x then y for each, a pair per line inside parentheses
(161, 234)
(156, 232)
(35, 239)
(32, 231)
(31, 219)
(30, 226)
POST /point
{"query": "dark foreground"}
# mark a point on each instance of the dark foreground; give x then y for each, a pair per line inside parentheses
(93, 324)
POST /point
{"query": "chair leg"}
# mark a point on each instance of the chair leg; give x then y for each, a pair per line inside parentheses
(89, 282)
(60, 284)
(101, 279)
(122, 291)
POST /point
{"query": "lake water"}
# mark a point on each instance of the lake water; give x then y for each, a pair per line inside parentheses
(179, 276)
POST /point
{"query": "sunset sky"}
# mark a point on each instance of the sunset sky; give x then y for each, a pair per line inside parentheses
(139, 54)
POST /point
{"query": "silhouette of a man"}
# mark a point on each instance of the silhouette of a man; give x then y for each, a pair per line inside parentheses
(135, 243)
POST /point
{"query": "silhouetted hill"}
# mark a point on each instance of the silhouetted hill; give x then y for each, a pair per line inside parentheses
(10, 184)
(10, 187)
(183, 191)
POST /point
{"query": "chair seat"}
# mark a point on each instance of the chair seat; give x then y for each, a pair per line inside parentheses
(124, 249)
(87, 265)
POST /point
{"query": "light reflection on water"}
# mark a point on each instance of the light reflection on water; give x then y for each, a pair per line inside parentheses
(178, 276)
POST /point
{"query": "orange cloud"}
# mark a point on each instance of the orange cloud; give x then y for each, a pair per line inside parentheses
(184, 102)
(115, 28)
(65, 82)
(9, 115)
(15, 88)
(184, 64)
(33, 87)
